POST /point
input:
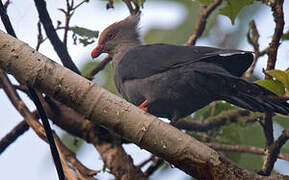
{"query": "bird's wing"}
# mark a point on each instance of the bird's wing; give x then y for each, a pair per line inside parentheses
(144, 61)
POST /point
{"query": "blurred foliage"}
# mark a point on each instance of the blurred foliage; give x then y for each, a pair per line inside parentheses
(212, 109)
(179, 34)
(280, 83)
(233, 8)
(83, 35)
(214, 32)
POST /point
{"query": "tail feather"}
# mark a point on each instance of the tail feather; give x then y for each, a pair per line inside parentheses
(245, 94)
(239, 102)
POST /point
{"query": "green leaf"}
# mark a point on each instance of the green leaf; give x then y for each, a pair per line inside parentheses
(85, 36)
(72, 142)
(233, 8)
(282, 76)
(83, 32)
(285, 36)
(245, 135)
(273, 85)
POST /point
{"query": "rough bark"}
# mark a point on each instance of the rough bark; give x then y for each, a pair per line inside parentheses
(115, 114)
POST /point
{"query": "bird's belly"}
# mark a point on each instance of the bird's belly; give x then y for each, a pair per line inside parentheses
(167, 94)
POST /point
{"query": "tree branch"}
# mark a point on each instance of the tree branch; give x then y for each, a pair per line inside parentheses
(130, 7)
(24, 111)
(158, 162)
(244, 149)
(110, 149)
(216, 121)
(272, 153)
(277, 9)
(46, 21)
(99, 67)
(40, 39)
(53, 37)
(9, 138)
(30, 119)
(11, 92)
(115, 114)
(253, 39)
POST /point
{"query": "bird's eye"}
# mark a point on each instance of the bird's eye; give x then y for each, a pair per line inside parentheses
(111, 36)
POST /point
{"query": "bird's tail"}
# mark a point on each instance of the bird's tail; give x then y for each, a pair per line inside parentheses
(245, 94)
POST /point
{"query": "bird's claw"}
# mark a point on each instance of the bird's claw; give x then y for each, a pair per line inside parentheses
(143, 106)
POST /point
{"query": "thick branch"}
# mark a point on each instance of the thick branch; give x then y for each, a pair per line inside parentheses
(11, 92)
(115, 114)
(112, 153)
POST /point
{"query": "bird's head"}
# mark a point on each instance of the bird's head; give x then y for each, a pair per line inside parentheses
(120, 33)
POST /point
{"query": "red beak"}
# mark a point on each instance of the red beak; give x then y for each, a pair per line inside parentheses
(97, 51)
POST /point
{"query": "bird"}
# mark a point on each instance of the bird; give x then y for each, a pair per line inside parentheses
(173, 81)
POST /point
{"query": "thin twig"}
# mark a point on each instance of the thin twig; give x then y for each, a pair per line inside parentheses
(99, 67)
(202, 20)
(78, 5)
(215, 122)
(244, 149)
(68, 14)
(130, 7)
(40, 39)
(270, 158)
(6, 4)
(253, 39)
(16, 132)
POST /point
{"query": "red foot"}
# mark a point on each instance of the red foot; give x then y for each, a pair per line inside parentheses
(143, 105)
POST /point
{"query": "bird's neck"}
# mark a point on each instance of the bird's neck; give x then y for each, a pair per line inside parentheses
(121, 50)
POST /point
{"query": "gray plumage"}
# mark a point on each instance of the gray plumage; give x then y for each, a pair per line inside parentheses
(178, 80)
